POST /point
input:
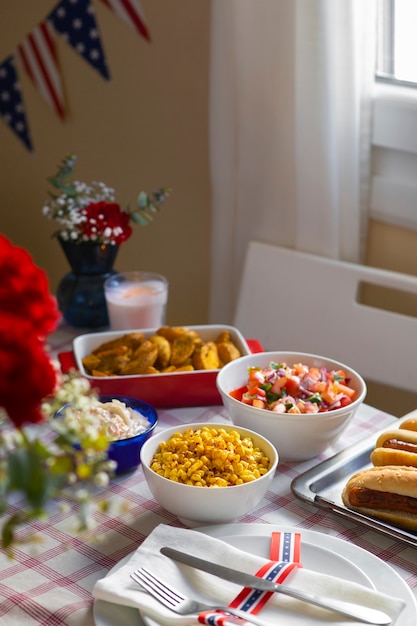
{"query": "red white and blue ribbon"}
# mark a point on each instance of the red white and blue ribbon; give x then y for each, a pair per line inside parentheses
(286, 547)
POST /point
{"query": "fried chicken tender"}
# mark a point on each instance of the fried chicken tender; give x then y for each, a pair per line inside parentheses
(164, 350)
(223, 336)
(131, 340)
(143, 358)
(172, 332)
(206, 357)
(182, 349)
(227, 352)
(108, 360)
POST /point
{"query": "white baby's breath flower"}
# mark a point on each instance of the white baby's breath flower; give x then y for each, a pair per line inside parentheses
(110, 465)
(101, 479)
(72, 478)
(10, 439)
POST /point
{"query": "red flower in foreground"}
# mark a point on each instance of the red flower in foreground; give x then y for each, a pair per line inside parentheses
(24, 290)
(106, 218)
(28, 313)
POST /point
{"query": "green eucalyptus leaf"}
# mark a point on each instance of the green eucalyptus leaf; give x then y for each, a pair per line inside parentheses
(8, 531)
(140, 218)
(30, 474)
(142, 201)
(18, 466)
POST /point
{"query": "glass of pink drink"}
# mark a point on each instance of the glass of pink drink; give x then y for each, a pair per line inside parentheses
(136, 300)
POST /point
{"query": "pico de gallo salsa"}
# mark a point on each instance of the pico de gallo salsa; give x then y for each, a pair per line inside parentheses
(297, 389)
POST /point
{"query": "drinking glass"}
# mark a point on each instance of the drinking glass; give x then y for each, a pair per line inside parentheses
(136, 300)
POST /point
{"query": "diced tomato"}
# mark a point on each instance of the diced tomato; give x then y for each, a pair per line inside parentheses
(314, 373)
(348, 391)
(329, 393)
(279, 384)
(292, 385)
(345, 401)
(255, 376)
(238, 393)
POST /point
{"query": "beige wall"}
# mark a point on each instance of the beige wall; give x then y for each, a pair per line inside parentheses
(145, 129)
(392, 248)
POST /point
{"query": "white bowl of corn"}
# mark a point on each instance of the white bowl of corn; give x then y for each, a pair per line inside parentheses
(208, 473)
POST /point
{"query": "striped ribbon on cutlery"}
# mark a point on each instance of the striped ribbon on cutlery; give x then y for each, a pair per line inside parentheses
(285, 553)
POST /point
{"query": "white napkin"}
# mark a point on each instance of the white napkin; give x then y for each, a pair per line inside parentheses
(119, 588)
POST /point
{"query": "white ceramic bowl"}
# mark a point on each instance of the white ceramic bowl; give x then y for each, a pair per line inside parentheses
(198, 506)
(297, 437)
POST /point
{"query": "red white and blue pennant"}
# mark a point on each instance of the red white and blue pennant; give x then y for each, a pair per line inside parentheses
(75, 22)
(38, 56)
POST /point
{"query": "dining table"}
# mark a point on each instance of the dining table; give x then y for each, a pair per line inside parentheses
(49, 580)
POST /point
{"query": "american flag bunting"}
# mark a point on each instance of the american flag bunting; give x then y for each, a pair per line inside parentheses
(75, 21)
(12, 109)
(131, 12)
(38, 55)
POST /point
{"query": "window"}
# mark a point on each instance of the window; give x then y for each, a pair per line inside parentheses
(397, 42)
(394, 125)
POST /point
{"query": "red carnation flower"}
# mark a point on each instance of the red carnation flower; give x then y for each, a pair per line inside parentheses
(28, 313)
(106, 219)
(24, 290)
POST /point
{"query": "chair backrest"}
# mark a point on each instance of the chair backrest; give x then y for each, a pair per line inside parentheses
(291, 300)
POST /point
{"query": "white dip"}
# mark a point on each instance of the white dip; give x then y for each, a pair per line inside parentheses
(120, 420)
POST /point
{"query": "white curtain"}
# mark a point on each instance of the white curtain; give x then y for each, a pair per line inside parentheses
(290, 124)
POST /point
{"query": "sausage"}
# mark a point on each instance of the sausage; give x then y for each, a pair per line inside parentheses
(360, 496)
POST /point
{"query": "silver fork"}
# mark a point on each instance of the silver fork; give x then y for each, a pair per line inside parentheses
(179, 603)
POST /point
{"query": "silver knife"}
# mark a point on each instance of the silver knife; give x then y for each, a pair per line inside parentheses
(356, 611)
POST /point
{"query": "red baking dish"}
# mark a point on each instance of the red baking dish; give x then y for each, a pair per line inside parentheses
(174, 389)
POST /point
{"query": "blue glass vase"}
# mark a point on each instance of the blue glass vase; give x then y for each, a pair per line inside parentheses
(80, 293)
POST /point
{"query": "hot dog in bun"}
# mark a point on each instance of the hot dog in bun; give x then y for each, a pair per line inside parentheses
(388, 493)
(396, 447)
(410, 423)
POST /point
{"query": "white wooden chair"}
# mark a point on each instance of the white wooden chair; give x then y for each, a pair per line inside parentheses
(290, 300)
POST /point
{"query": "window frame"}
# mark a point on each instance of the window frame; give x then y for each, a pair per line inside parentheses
(394, 156)
(394, 135)
(385, 58)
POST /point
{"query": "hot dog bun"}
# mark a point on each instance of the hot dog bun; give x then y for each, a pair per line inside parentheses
(388, 493)
(396, 447)
(410, 423)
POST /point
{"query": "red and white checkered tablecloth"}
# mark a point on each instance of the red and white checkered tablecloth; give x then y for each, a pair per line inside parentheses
(50, 583)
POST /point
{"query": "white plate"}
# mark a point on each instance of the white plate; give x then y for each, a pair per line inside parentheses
(320, 552)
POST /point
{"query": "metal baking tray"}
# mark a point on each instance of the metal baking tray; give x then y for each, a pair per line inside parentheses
(323, 484)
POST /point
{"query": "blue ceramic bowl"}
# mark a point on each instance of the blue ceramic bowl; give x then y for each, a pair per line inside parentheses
(126, 452)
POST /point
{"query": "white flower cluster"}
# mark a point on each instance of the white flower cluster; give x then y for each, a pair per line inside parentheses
(66, 208)
(71, 388)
